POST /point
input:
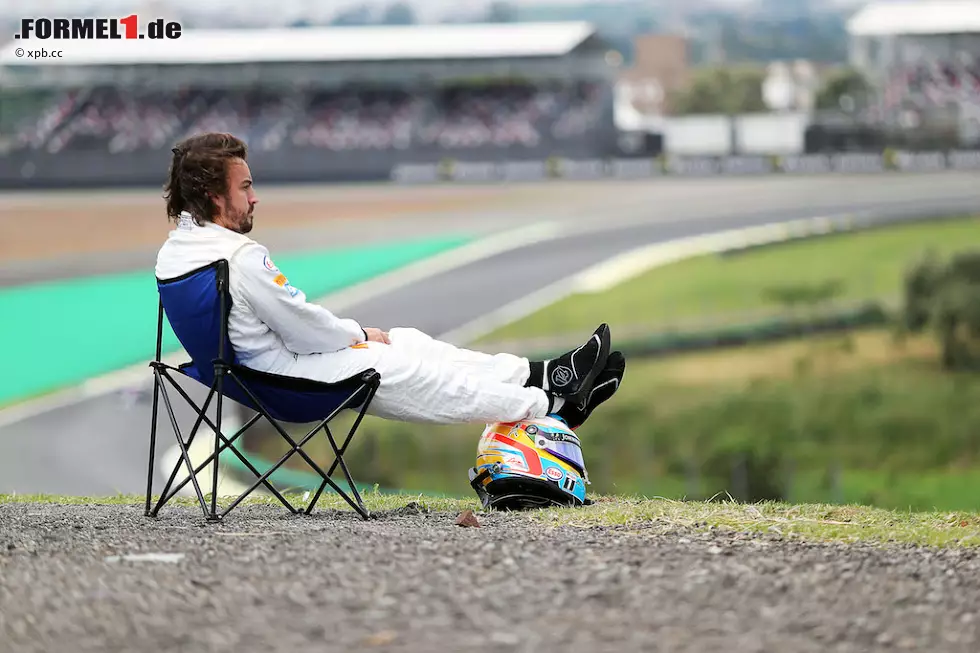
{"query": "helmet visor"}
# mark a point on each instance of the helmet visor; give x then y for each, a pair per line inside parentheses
(567, 450)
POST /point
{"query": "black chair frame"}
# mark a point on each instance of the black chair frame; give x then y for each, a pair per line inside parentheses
(362, 389)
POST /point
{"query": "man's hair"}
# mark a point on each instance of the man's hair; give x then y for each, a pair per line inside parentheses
(199, 168)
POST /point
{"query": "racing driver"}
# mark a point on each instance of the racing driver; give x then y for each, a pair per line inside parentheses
(210, 195)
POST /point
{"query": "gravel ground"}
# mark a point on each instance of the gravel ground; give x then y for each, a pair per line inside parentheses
(414, 581)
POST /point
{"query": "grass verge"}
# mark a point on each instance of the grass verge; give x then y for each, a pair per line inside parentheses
(864, 265)
(810, 522)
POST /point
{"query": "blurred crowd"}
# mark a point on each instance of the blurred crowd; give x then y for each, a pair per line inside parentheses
(118, 120)
(931, 86)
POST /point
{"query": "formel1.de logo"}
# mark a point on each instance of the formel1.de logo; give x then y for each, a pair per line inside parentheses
(97, 28)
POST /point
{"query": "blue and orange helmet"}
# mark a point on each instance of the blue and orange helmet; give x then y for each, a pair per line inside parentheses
(529, 464)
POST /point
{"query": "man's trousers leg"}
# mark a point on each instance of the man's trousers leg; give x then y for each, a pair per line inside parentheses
(503, 367)
(425, 381)
(416, 387)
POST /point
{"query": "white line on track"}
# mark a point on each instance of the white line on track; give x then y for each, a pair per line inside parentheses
(478, 250)
(621, 268)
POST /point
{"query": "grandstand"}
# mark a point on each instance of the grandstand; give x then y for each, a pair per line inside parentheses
(320, 104)
(924, 61)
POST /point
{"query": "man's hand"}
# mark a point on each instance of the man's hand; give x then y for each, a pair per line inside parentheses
(376, 335)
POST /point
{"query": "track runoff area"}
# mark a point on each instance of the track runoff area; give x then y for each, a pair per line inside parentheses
(412, 579)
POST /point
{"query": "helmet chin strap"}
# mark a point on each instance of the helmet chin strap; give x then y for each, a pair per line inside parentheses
(476, 482)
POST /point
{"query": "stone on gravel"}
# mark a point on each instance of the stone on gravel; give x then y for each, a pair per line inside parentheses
(467, 519)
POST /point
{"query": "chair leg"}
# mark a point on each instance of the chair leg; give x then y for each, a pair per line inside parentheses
(357, 506)
(228, 443)
(169, 493)
(297, 447)
(339, 459)
(343, 466)
(183, 449)
(217, 451)
(153, 440)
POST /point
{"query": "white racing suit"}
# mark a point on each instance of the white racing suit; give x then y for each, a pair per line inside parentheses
(274, 329)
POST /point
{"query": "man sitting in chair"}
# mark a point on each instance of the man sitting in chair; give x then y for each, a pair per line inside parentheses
(274, 329)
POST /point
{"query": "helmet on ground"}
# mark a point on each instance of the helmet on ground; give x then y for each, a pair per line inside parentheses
(533, 463)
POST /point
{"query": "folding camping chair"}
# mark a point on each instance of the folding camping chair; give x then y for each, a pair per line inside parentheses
(197, 305)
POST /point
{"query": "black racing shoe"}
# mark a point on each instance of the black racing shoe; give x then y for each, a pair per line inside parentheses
(572, 374)
(605, 386)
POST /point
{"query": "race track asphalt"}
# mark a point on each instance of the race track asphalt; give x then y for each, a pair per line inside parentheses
(99, 446)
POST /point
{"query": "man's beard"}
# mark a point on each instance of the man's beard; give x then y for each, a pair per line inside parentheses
(245, 222)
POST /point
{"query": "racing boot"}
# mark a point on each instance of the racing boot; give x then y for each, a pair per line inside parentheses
(571, 375)
(605, 386)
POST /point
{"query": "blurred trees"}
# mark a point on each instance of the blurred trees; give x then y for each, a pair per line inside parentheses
(945, 296)
(844, 89)
(723, 89)
(736, 89)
